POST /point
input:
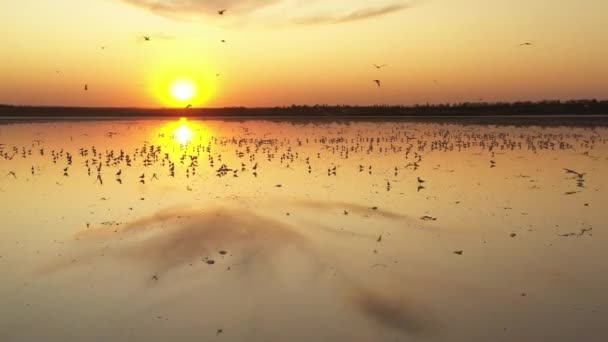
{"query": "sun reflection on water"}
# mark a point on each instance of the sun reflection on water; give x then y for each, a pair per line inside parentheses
(183, 134)
(177, 135)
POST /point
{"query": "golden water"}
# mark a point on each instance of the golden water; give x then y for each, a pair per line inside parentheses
(293, 249)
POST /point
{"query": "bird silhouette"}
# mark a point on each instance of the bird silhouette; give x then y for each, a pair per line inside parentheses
(526, 44)
(378, 83)
(147, 38)
(578, 174)
(86, 87)
(380, 66)
(221, 12)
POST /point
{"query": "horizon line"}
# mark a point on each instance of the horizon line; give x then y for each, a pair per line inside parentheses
(417, 105)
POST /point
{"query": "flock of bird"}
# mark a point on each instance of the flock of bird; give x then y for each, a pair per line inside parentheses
(240, 155)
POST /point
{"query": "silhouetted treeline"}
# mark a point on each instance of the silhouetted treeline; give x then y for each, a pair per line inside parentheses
(542, 108)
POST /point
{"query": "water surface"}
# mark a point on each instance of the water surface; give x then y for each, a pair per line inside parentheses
(253, 230)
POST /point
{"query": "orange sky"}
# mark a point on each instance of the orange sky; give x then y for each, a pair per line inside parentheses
(281, 52)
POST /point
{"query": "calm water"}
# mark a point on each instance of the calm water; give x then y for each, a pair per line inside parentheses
(276, 231)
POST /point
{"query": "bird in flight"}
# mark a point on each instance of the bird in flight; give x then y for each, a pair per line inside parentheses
(578, 174)
(221, 12)
(378, 82)
(223, 40)
(188, 106)
(380, 66)
(526, 44)
(86, 87)
(147, 38)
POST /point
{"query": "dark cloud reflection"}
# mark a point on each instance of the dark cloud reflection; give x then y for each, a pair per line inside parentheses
(174, 237)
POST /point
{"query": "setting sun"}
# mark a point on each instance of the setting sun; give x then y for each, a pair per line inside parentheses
(183, 90)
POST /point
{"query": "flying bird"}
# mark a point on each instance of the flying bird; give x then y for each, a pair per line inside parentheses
(86, 87)
(147, 38)
(578, 174)
(380, 66)
(221, 12)
(378, 82)
(526, 44)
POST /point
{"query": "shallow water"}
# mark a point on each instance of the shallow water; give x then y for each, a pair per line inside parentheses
(302, 231)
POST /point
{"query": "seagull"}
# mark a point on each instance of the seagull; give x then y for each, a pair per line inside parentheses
(377, 82)
(420, 181)
(580, 175)
(188, 106)
(147, 38)
(380, 66)
(221, 12)
(526, 44)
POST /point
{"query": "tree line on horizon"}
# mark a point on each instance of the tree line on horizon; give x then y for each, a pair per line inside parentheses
(545, 107)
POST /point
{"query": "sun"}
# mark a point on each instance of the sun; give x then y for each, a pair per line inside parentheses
(183, 90)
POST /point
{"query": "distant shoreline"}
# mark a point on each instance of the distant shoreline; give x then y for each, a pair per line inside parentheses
(580, 113)
(515, 109)
(544, 121)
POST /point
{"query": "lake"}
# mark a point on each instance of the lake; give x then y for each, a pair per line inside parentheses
(277, 230)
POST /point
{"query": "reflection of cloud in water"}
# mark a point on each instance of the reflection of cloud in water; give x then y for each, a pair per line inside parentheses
(392, 311)
(172, 238)
(175, 237)
(350, 207)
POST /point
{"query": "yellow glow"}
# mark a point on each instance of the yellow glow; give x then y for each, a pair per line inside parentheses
(176, 135)
(183, 134)
(183, 90)
(180, 86)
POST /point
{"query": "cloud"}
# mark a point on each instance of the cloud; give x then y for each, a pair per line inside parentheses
(357, 15)
(208, 7)
(189, 8)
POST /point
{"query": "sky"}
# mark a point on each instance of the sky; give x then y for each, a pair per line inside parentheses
(284, 52)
